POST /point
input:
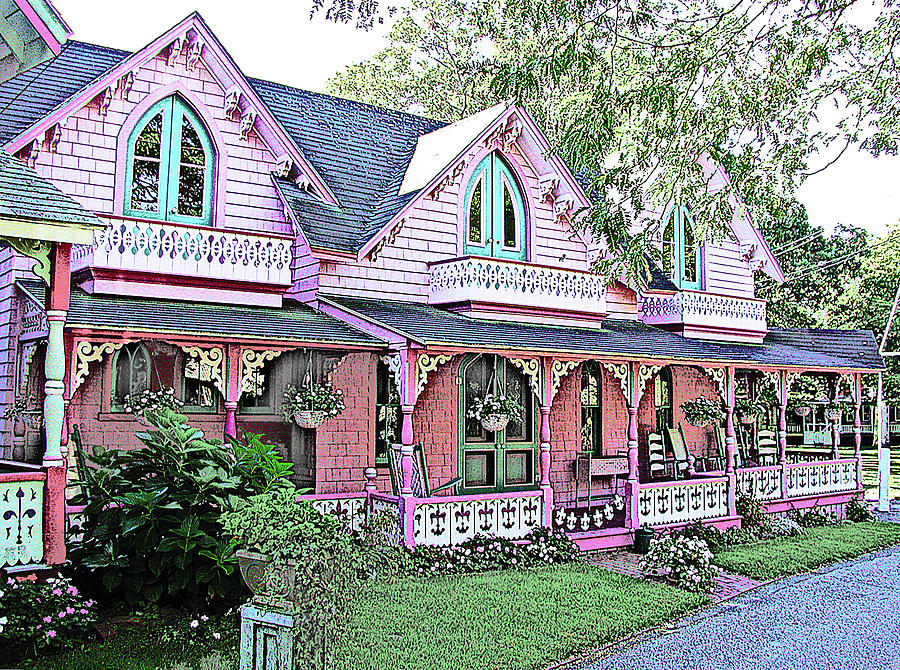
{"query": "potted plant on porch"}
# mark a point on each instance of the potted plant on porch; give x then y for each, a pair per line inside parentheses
(747, 410)
(702, 411)
(495, 411)
(311, 404)
(834, 411)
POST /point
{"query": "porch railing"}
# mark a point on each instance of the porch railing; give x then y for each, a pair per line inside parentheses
(450, 520)
(805, 479)
(497, 281)
(764, 483)
(184, 250)
(348, 508)
(682, 502)
(21, 518)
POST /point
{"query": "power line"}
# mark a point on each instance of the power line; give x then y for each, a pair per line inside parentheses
(824, 265)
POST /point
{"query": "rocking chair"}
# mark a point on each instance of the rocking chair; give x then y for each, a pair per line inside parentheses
(766, 447)
(679, 450)
(420, 487)
(659, 466)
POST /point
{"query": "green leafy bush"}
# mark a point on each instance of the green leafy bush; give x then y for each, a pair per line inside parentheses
(810, 517)
(857, 511)
(683, 561)
(750, 509)
(542, 546)
(41, 615)
(152, 527)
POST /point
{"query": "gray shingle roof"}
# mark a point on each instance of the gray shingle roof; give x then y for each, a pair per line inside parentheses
(784, 348)
(24, 194)
(361, 151)
(294, 322)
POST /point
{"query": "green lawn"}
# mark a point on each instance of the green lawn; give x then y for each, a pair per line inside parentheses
(497, 621)
(817, 547)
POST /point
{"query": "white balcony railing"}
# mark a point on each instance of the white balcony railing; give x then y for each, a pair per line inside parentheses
(188, 251)
(681, 502)
(805, 479)
(696, 308)
(489, 280)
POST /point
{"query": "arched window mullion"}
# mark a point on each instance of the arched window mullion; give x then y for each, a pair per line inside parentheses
(501, 214)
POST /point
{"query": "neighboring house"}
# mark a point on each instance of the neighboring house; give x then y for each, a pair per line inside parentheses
(259, 236)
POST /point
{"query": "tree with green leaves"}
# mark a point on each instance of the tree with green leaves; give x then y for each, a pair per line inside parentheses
(633, 93)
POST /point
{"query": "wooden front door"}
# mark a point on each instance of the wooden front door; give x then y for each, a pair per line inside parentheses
(496, 461)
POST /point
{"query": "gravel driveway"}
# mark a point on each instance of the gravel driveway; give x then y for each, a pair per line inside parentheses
(844, 617)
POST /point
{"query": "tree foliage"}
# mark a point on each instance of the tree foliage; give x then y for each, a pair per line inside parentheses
(632, 93)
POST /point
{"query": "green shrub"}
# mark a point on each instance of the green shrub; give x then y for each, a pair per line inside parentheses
(857, 511)
(41, 615)
(683, 561)
(750, 509)
(811, 517)
(542, 546)
(152, 529)
(698, 530)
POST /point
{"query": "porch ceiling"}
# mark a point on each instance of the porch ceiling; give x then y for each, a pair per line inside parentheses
(293, 322)
(431, 326)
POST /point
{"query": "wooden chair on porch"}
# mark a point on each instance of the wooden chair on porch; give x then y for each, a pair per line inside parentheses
(420, 487)
(659, 465)
(766, 447)
(679, 451)
(714, 463)
(741, 459)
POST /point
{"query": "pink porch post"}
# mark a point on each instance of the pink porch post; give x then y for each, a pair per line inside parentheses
(835, 424)
(857, 425)
(408, 393)
(233, 390)
(783, 391)
(730, 441)
(545, 461)
(633, 485)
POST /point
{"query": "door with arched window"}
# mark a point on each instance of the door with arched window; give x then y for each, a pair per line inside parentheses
(494, 212)
(169, 169)
(680, 248)
(502, 460)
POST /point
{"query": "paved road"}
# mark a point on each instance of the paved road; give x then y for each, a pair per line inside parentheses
(841, 617)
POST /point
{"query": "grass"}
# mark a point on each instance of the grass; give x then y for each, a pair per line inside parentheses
(503, 621)
(817, 547)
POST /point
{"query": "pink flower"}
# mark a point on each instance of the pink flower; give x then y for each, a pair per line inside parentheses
(83, 611)
(51, 633)
(62, 614)
(57, 592)
(48, 619)
(72, 590)
(70, 610)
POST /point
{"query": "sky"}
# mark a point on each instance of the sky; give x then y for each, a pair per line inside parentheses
(275, 40)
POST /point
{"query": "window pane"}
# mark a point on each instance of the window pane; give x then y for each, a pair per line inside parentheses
(591, 410)
(190, 191)
(387, 412)
(510, 236)
(479, 468)
(479, 381)
(690, 250)
(147, 144)
(145, 185)
(132, 372)
(475, 228)
(192, 151)
(517, 389)
(259, 394)
(199, 390)
(518, 468)
(668, 248)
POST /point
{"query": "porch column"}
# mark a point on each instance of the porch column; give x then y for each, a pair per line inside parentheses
(633, 520)
(857, 426)
(406, 450)
(55, 363)
(730, 441)
(233, 391)
(883, 443)
(782, 417)
(835, 423)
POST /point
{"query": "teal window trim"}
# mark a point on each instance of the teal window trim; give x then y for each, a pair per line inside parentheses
(499, 445)
(496, 181)
(681, 252)
(591, 409)
(174, 112)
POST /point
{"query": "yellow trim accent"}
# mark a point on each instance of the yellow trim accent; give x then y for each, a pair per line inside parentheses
(72, 233)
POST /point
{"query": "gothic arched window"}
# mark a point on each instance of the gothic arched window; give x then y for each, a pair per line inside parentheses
(131, 373)
(170, 161)
(680, 254)
(494, 212)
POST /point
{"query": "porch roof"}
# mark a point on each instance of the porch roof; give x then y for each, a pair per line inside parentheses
(294, 322)
(431, 326)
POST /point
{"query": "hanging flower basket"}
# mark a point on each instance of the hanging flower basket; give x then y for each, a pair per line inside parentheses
(802, 410)
(747, 418)
(833, 413)
(701, 412)
(495, 422)
(310, 418)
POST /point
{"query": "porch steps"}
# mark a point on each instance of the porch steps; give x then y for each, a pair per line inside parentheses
(603, 540)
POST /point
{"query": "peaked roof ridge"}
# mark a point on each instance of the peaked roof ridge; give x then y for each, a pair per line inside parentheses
(351, 102)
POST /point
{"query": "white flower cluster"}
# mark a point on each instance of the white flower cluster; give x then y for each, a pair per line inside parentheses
(151, 401)
(685, 561)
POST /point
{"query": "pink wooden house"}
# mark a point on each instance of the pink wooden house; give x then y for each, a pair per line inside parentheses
(258, 236)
